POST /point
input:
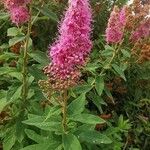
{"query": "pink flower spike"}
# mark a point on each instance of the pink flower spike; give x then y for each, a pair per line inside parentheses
(73, 45)
(19, 15)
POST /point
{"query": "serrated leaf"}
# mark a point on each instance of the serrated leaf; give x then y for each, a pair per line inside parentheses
(70, 142)
(88, 119)
(77, 106)
(99, 85)
(94, 137)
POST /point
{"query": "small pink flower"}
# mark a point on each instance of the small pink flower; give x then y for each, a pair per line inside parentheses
(122, 16)
(143, 31)
(13, 3)
(116, 25)
(19, 15)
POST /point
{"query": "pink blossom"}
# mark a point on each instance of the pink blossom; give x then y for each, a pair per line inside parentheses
(116, 24)
(143, 31)
(122, 16)
(73, 44)
(13, 3)
(19, 15)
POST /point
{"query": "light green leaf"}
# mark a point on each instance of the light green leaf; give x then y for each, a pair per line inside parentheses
(6, 70)
(126, 53)
(119, 71)
(16, 39)
(4, 16)
(99, 85)
(94, 137)
(88, 119)
(14, 31)
(17, 75)
(77, 106)
(70, 142)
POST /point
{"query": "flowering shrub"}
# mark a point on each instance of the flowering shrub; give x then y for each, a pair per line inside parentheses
(89, 90)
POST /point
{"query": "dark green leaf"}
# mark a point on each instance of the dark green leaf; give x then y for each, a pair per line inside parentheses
(40, 57)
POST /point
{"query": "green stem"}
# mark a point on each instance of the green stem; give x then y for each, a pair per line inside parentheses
(64, 111)
(25, 62)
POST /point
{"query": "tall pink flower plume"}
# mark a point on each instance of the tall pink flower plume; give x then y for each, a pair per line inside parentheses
(18, 10)
(143, 31)
(73, 45)
(116, 23)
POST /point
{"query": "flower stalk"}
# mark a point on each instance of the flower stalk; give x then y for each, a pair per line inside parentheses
(25, 61)
(64, 111)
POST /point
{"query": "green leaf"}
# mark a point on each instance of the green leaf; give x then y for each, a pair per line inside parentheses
(82, 89)
(6, 70)
(14, 31)
(77, 106)
(70, 142)
(16, 39)
(6, 56)
(119, 71)
(37, 73)
(4, 16)
(9, 141)
(16, 95)
(40, 57)
(3, 100)
(34, 136)
(44, 146)
(17, 75)
(126, 53)
(94, 137)
(47, 12)
(52, 124)
(99, 85)
(87, 118)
